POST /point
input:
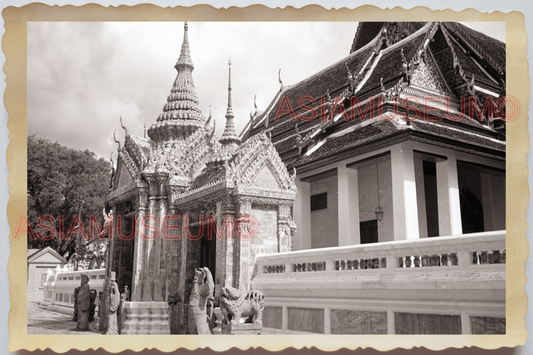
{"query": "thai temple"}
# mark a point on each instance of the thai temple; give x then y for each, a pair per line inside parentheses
(377, 185)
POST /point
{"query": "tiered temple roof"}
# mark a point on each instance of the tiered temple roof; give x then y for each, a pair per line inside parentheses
(391, 61)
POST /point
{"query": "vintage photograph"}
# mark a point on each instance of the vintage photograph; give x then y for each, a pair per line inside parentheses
(266, 178)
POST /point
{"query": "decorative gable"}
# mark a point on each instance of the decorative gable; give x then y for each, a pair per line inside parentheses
(254, 161)
(265, 179)
(428, 76)
(124, 177)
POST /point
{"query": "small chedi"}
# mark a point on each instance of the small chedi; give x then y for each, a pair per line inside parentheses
(235, 304)
(202, 291)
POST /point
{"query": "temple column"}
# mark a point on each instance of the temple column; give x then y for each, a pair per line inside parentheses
(242, 263)
(138, 255)
(149, 252)
(349, 231)
(448, 197)
(302, 215)
(102, 326)
(404, 204)
(226, 251)
(160, 252)
(284, 230)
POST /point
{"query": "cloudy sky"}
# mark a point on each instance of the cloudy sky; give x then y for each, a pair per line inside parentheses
(82, 76)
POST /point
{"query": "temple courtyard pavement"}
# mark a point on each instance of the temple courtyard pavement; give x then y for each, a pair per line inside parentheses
(41, 321)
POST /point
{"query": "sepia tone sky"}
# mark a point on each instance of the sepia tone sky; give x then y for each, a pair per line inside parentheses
(82, 76)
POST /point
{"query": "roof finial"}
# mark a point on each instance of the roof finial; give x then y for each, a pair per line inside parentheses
(229, 111)
(145, 131)
(185, 55)
(229, 136)
(122, 125)
(115, 139)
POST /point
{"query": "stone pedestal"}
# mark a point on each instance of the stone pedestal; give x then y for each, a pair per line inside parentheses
(146, 318)
(242, 329)
(217, 330)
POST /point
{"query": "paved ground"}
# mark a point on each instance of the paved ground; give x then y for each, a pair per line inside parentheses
(41, 321)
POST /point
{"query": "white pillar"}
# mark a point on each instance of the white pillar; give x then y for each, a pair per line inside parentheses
(448, 197)
(348, 206)
(284, 318)
(327, 320)
(466, 324)
(302, 216)
(421, 198)
(391, 326)
(404, 193)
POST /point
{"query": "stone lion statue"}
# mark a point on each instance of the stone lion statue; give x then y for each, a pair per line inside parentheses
(235, 304)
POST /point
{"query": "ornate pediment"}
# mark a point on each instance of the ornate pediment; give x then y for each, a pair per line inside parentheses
(265, 178)
(428, 76)
(251, 171)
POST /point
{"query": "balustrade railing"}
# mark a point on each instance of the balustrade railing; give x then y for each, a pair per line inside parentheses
(468, 250)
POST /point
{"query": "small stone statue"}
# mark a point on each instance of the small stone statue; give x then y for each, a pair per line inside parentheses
(126, 294)
(92, 305)
(82, 303)
(76, 290)
(202, 291)
(114, 302)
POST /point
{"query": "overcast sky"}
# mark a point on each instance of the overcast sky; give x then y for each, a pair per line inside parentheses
(83, 76)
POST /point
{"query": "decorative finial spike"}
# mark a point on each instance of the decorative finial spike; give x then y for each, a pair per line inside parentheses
(185, 55)
(229, 136)
(122, 125)
(115, 138)
(279, 76)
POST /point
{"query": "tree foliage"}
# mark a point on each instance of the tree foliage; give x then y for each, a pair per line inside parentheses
(65, 183)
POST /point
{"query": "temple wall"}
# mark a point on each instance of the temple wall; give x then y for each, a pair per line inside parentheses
(325, 221)
(266, 239)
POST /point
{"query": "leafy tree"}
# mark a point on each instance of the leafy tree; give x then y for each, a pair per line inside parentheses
(68, 185)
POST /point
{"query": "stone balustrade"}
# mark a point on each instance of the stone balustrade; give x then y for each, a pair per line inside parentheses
(454, 251)
(385, 288)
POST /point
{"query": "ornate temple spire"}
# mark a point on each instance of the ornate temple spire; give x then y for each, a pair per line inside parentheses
(229, 136)
(185, 54)
(181, 115)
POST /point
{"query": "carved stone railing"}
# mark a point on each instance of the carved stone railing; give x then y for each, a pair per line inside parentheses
(459, 277)
(457, 252)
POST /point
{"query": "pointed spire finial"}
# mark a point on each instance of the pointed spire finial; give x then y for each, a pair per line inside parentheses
(229, 136)
(229, 111)
(185, 55)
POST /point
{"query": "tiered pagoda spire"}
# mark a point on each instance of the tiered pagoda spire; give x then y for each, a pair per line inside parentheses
(181, 115)
(229, 137)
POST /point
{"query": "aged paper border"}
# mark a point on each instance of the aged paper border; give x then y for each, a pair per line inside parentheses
(518, 86)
